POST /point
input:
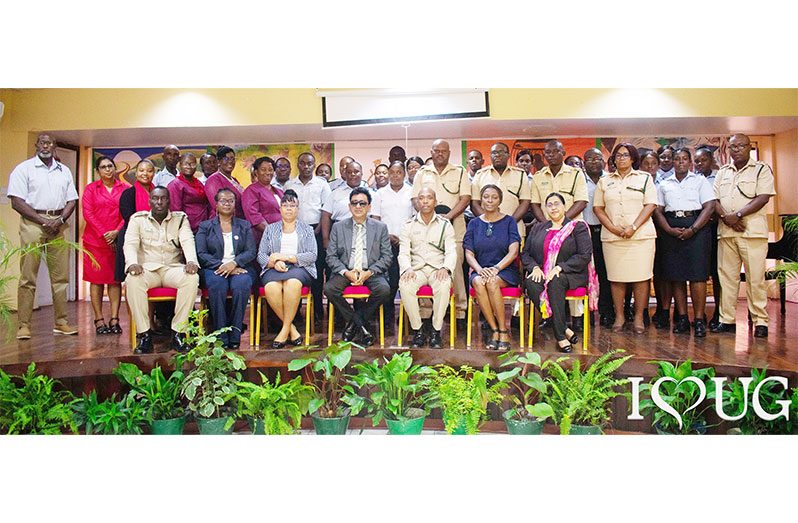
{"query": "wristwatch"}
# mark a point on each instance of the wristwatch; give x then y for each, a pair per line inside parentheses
(740, 216)
(634, 227)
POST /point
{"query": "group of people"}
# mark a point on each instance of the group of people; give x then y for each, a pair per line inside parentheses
(664, 215)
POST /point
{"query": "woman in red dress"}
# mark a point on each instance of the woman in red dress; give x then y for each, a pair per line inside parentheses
(100, 204)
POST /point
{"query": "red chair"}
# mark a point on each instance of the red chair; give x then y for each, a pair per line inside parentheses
(425, 291)
(354, 292)
(305, 295)
(580, 293)
(508, 293)
(154, 295)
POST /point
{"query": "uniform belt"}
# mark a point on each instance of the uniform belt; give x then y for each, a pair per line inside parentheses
(56, 212)
(681, 214)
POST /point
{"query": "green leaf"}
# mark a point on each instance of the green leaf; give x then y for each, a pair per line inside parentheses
(540, 410)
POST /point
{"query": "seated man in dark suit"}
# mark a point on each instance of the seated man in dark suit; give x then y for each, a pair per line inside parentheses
(359, 253)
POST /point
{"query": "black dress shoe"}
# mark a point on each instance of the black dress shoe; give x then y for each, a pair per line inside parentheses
(365, 338)
(663, 321)
(724, 327)
(350, 332)
(714, 322)
(682, 325)
(179, 342)
(699, 329)
(144, 345)
(606, 320)
(234, 346)
(419, 339)
(576, 323)
(761, 331)
(435, 340)
(546, 323)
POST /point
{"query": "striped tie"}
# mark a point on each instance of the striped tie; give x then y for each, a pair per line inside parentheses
(360, 242)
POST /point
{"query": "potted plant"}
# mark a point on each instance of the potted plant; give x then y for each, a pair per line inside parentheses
(399, 392)
(771, 397)
(273, 408)
(110, 417)
(464, 396)
(38, 405)
(159, 396)
(335, 397)
(212, 383)
(681, 394)
(523, 417)
(581, 401)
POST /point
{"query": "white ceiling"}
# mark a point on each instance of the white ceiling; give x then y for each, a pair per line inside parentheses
(483, 128)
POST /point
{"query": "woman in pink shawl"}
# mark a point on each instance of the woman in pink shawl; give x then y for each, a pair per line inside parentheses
(557, 257)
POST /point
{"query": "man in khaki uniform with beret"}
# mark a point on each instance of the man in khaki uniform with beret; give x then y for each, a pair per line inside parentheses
(453, 191)
(427, 256)
(156, 244)
(743, 188)
(511, 180)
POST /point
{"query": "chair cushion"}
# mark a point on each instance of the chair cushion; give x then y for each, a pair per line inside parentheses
(162, 292)
(425, 291)
(357, 289)
(579, 292)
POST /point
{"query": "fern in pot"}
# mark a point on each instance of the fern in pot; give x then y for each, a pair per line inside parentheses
(464, 395)
(273, 408)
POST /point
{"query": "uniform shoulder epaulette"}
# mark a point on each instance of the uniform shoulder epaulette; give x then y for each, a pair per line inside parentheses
(140, 213)
(178, 213)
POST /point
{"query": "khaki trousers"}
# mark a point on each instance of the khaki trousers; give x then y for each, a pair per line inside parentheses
(57, 260)
(750, 253)
(440, 301)
(174, 277)
(460, 296)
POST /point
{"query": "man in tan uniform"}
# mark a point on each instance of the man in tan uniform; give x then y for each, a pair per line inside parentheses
(743, 188)
(427, 256)
(561, 178)
(453, 192)
(511, 180)
(156, 244)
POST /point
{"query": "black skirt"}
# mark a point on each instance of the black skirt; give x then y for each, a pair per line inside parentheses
(685, 260)
(293, 273)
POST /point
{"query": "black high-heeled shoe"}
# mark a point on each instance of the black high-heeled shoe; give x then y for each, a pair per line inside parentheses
(567, 349)
(114, 327)
(573, 339)
(503, 345)
(278, 344)
(296, 342)
(102, 328)
(492, 344)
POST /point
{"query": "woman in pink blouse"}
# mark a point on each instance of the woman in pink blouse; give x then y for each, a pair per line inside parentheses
(100, 203)
(223, 179)
(261, 201)
(187, 194)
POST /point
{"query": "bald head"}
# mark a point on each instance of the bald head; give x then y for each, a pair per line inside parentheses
(171, 154)
(440, 154)
(426, 201)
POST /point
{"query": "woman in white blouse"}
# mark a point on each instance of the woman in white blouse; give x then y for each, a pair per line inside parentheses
(287, 255)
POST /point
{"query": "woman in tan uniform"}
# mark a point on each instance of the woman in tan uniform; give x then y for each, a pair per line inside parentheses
(623, 203)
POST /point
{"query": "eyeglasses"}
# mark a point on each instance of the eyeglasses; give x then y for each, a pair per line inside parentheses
(227, 201)
(489, 231)
(551, 205)
(359, 203)
(623, 155)
(106, 166)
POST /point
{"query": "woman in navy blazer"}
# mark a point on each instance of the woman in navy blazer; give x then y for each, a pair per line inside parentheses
(226, 250)
(287, 254)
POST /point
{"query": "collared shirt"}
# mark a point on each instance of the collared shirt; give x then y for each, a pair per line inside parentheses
(449, 186)
(218, 181)
(311, 197)
(588, 214)
(513, 183)
(711, 177)
(688, 195)
(154, 245)
(394, 208)
(736, 188)
(336, 183)
(468, 213)
(337, 202)
(278, 185)
(423, 244)
(163, 177)
(623, 199)
(570, 182)
(663, 175)
(43, 188)
(183, 197)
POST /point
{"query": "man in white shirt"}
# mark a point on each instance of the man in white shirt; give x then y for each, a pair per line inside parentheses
(43, 192)
(393, 205)
(171, 155)
(313, 191)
